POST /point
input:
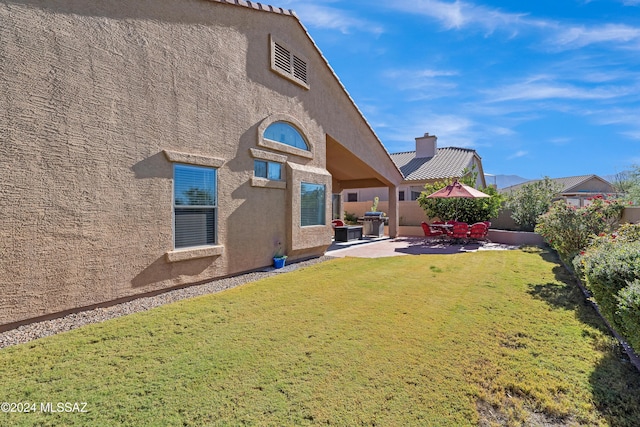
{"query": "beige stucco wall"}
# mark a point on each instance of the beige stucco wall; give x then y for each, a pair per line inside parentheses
(631, 215)
(410, 212)
(93, 97)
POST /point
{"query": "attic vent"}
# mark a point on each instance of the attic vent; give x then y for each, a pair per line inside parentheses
(282, 58)
(287, 64)
(299, 69)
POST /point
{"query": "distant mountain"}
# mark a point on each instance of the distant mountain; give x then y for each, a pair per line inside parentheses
(503, 181)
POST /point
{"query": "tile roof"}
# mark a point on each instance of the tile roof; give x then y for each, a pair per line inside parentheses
(447, 163)
(566, 183)
(257, 6)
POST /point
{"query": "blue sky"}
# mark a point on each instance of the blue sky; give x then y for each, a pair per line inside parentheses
(537, 88)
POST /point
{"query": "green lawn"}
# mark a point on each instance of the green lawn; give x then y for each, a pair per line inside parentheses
(486, 338)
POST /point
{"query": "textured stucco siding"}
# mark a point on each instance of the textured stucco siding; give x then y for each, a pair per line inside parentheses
(91, 95)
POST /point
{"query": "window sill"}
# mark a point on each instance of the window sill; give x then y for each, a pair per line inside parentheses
(268, 183)
(193, 253)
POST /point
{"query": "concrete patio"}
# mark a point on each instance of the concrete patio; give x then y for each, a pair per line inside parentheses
(385, 246)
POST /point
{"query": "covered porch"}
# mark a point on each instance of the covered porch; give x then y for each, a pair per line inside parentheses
(360, 164)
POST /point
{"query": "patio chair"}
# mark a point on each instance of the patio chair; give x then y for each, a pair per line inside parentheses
(429, 232)
(460, 231)
(478, 231)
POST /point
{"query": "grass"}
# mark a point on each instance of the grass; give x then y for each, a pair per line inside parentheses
(486, 338)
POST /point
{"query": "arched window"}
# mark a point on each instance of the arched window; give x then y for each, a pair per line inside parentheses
(284, 133)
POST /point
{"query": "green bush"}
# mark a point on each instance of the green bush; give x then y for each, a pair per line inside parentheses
(530, 201)
(629, 312)
(569, 230)
(350, 218)
(607, 269)
(610, 268)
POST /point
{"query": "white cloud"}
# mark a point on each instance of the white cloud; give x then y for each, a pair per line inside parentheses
(580, 36)
(561, 141)
(560, 35)
(331, 18)
(518, 154)
(423, 84)
(461, 14)
(451, 130)
(546, 87)
(633, 134)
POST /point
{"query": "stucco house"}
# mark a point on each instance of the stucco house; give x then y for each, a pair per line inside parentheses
(576, 190)
(150, 145)
(427, 164)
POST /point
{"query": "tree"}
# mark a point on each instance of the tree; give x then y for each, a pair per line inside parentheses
(629, 183)
(530, 201)
(462, 209)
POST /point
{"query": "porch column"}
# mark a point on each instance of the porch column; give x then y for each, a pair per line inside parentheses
(393, 211)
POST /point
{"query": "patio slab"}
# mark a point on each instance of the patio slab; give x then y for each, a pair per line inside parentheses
(409, 246)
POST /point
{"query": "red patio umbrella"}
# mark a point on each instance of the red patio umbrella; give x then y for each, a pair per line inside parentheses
(457, 189)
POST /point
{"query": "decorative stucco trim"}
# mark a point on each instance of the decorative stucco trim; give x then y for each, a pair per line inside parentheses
(267, 143)
(309, 169)
(193, 159)
(268, 183)
(266, 155)
(193, 253)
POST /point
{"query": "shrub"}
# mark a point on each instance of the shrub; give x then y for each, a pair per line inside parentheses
(350, 218)
(569, 230)
(610, 267)
(629, 312)
(607, 269)
(530, 201)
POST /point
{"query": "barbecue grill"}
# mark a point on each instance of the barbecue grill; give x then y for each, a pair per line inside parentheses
(373, 224)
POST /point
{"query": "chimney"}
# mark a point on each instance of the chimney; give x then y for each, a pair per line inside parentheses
(426, 146)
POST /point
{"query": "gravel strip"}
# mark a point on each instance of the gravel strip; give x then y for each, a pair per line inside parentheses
(32, 331)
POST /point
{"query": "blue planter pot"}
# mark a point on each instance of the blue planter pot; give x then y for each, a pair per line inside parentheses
(279, 262)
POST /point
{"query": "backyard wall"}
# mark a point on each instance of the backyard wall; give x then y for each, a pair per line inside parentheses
(410, 212)
(631, 215)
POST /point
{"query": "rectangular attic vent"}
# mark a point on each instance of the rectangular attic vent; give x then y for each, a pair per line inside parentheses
(287, 64)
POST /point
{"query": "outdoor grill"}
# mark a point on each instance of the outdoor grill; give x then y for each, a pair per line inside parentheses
(373, 224)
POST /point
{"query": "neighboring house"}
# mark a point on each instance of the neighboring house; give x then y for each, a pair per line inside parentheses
(152, 145)
(427, 164)
(576, 190)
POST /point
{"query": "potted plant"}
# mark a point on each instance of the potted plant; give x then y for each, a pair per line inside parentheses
(279, 257)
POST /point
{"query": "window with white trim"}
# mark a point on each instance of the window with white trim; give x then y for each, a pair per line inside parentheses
(312, 204)
(288, 64)
(195, 205)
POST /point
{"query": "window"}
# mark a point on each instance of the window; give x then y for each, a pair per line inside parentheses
(415, 192)
(352, 197)
(285, 133)
(401, 196)
(288, 64)
(266, 169)
(194, 205)
(312, 204)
